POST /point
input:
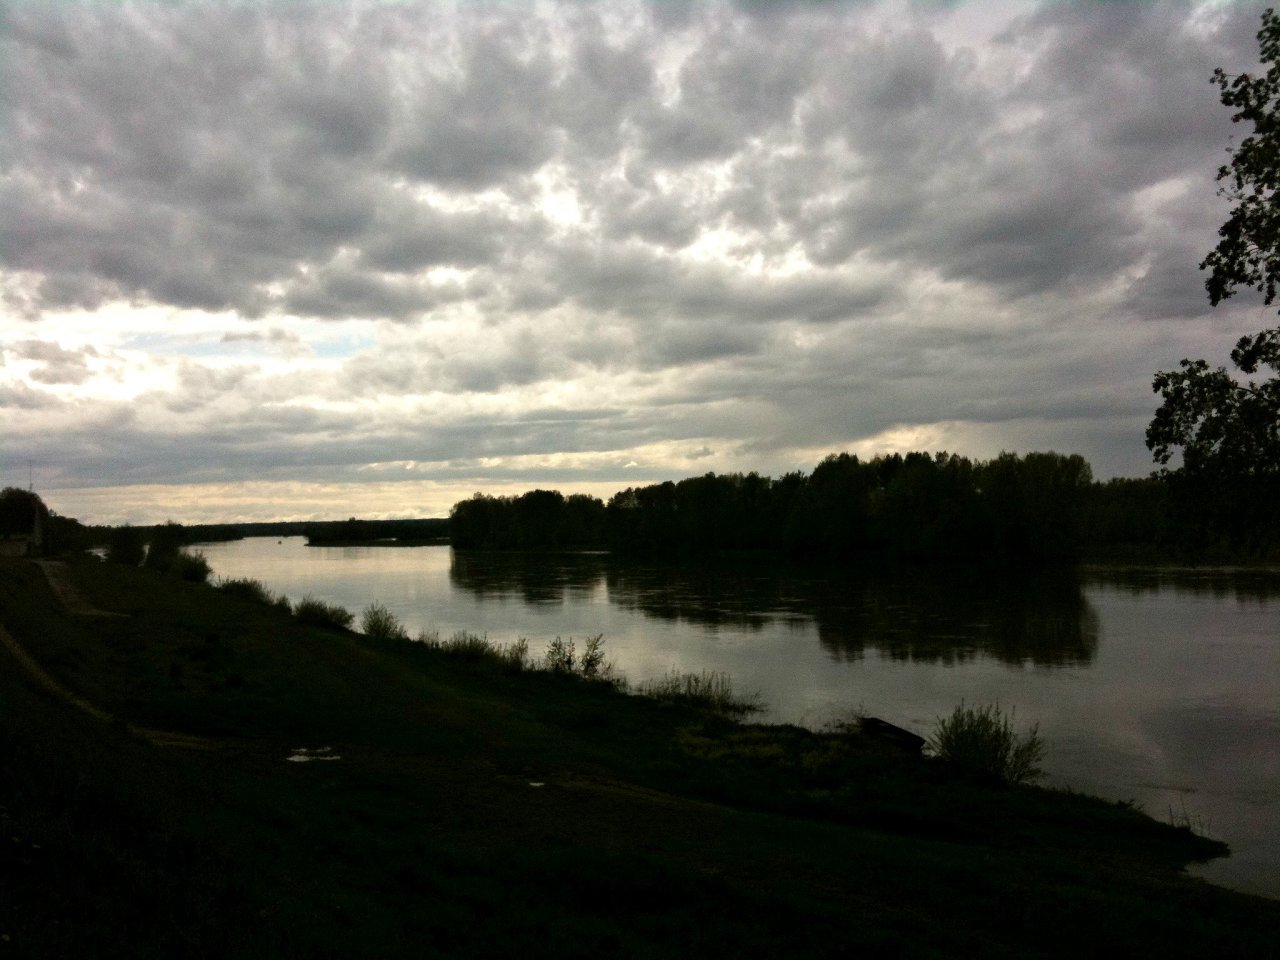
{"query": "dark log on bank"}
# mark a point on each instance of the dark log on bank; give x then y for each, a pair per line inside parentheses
(891, 735)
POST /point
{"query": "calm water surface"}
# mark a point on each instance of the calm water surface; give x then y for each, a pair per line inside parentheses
(1160, 687)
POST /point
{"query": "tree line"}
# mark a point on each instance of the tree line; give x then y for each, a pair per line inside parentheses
(914, 506)
(1040, 507)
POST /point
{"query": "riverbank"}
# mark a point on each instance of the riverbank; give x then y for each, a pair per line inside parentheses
(472, 810)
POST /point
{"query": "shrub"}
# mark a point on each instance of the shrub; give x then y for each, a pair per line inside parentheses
(981, 741)
(560, 657)
(126, 546)
(379, 623)
(191, 567)
(256, 591)
(592, 665)
(317, 613)
(515, 655)
(709, 690)
(247, 588)
(164, 548)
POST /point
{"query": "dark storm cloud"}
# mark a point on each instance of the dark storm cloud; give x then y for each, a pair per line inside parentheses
(195, 155)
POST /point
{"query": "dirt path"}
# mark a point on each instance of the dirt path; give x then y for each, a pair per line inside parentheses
(47, 683)
(59, 576)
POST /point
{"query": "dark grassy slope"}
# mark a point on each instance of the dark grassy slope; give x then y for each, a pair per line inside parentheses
(658, 831)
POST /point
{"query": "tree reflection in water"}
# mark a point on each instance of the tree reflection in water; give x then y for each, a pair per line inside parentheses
(944, 615)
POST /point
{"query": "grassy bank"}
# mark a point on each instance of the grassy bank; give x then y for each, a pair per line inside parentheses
(477, 809)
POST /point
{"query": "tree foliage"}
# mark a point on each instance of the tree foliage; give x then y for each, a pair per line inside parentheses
(916, 506)
(1228, 427)
(1248, 251)
(23, 514)
(1224, 427)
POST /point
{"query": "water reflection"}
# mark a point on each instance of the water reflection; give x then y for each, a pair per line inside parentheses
(1017, 618)
(540, 580)
(1041, 619)
(1243, 584)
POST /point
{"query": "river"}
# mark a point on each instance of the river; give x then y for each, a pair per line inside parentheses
(1157, 686)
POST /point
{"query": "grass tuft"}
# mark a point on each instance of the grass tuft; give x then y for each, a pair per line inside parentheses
(981, 741)
(708, 689)
(471, 646)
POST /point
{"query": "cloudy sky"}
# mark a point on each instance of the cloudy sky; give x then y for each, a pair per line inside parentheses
(282, 260)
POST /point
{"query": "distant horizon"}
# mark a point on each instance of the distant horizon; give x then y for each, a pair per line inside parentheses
(255, 509)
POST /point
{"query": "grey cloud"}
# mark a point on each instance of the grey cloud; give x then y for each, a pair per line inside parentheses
(935, 178)
(408, 236)
(650, 215)
(486, 125)
(197, 155)
(742, 81)
(19, 396)
(633, 281)
(199, 385)
(675, 344)
(273, 335)
(343, 290)
(188, 156)
(515, 357)
(604, 89)
(57, 364)
(341, 95)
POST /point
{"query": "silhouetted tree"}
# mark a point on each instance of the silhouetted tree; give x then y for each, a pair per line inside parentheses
(126, 545)
(1228, 431)
(23, 514)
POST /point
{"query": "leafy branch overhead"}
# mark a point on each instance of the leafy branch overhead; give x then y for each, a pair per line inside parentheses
(1248, 254)
(1227, 428)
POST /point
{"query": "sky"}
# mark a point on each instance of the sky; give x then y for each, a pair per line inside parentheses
(299, 260)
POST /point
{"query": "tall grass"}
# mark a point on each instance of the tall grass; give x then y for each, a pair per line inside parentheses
(709, 690)
(982, 741)
(470, 646)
